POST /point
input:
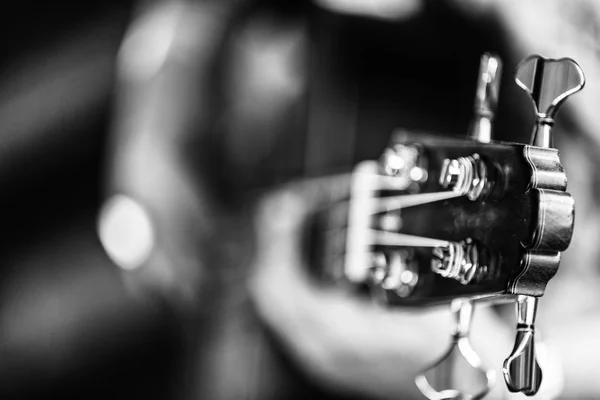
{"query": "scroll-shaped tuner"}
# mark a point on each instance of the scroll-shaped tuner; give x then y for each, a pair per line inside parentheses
(549, 82)
(486, 97)
(459, 374)
(522, 372)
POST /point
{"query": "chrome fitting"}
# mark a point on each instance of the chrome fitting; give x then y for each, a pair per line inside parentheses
(465, 175)
(458, 261)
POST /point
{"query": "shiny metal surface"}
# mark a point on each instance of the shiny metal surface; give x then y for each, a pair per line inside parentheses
(486, 97)
(521, 370)
(458, 261)
(548, 82)
(447, 260)
(459, 373)
(465, 175)
(526, 310)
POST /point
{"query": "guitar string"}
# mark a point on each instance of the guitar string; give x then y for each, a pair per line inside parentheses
(337, 214)
(335, 221)
(393, 203)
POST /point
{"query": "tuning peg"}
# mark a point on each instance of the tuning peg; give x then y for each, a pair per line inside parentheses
(522, 372)
(548, 82)
(459, 374)
(486, 97)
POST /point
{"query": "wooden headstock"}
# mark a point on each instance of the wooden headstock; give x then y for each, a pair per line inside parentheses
(481, 220)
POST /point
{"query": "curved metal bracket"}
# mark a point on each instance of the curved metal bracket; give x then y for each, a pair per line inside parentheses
(548, 82)
(459, 373)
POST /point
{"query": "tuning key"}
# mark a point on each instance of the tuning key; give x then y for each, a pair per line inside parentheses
(522, 371)
(459, 374)
(486, 97)
(548, 82)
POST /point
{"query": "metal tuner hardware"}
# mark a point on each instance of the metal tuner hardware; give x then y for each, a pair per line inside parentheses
(468, 221)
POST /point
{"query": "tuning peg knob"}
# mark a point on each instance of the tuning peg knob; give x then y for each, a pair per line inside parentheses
(522, 372)
(548, 82)
(459, 374)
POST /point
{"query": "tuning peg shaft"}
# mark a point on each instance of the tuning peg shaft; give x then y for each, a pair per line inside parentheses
(486, 97)
(522, 372)
(548, 82)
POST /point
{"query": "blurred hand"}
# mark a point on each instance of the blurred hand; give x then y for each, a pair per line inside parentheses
(343, 341)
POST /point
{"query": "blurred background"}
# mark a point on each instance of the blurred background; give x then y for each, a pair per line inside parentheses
(67, 327)
(292, 89)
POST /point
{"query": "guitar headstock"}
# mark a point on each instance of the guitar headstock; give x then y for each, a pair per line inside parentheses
(469, 220)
